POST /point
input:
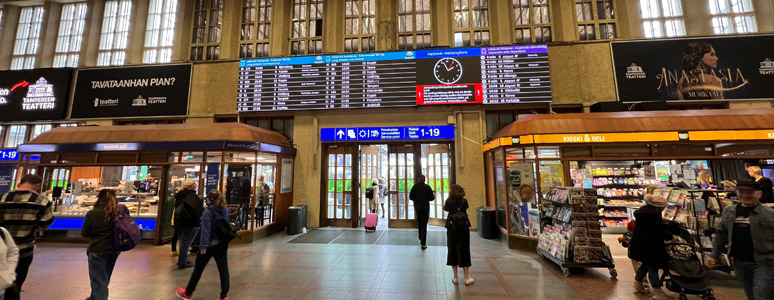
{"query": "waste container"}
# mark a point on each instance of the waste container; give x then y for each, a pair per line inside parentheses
(486, 222)
(297, 219)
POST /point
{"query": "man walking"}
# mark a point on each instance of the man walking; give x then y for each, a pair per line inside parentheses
(25, 213)
(422, 194)
(746, 229)
(188, 213)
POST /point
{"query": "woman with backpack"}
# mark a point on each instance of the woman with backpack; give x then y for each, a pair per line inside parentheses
(457, 233)
(211, 246)
(98, 227)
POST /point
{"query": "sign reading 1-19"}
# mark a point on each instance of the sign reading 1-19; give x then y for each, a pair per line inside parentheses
(434, 132)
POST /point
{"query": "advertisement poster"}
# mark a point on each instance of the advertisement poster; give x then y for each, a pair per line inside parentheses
(286, 182)
(34, 95)
(521, 183)
(534, 223)
(213, 177)
(6, 178)
(151, 91)
(710, 68)
(551, 175)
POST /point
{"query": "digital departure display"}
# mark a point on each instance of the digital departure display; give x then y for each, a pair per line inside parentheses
(493, 75)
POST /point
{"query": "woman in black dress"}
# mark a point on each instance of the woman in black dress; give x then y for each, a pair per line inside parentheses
(457, 241)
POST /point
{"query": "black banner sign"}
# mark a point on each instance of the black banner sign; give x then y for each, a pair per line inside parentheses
(33, 95)
(151, 91)
(710, 68)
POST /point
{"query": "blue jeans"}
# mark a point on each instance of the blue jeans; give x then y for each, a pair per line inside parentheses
(758, 280)
(100, 269)
(186, 239)
(652, 271)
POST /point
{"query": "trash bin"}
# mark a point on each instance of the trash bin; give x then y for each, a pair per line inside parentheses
(486, 222)
(297, 219)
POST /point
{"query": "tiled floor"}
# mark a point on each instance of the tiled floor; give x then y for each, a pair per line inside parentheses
(383, 268)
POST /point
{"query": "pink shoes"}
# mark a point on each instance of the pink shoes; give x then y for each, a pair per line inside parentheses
(180, 292)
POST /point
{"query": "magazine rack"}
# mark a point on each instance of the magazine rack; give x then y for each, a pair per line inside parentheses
(571, 235)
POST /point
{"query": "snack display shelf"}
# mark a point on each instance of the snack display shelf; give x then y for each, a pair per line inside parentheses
(615, 216)
(628, 205)
(622, 176)
(621, 197)
(619, 185)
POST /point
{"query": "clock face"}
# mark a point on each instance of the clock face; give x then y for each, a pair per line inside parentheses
(447, 70)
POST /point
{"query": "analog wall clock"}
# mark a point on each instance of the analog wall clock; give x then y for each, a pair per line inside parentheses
(447, 70)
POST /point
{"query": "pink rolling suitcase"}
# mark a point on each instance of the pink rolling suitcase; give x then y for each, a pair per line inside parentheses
(370, 222)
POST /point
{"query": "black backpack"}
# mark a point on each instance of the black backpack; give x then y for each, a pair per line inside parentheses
(459, 219)
(370, 192)
(225, 231)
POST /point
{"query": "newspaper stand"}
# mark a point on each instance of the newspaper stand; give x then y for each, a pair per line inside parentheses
(571, 236)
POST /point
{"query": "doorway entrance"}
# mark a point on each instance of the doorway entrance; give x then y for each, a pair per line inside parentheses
(344, 204)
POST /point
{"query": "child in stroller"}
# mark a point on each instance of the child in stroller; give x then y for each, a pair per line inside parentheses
(686, 274)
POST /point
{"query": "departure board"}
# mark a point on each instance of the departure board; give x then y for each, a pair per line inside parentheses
(509, 74)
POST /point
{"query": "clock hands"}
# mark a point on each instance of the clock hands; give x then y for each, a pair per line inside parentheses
(451, 66)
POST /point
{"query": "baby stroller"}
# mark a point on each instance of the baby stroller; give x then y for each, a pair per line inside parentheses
(686, 274)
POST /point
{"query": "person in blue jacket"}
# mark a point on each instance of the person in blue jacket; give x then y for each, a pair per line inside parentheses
(210, 247)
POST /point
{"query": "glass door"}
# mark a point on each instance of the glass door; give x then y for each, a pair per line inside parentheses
(240, 179)
(373, 165)
(338, 187)
(401, 179)
(436, 165)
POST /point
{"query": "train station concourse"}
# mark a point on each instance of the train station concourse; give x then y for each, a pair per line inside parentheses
(386, 149)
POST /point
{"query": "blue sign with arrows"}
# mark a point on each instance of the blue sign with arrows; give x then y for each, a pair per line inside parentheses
(442, 132)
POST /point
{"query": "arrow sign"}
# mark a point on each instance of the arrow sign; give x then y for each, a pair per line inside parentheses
(340, 134)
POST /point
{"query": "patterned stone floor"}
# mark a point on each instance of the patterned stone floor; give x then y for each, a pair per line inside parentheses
(380, 265)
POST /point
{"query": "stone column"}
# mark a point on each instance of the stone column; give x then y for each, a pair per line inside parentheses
(48, 34)
(91, 33)
(8, 34)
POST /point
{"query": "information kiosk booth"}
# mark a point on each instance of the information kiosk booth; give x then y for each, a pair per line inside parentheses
(146, 165)
(618, 155)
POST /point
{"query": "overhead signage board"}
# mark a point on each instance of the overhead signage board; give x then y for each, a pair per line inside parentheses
(34, 95)
(148, 91)
(9, 155)
(493, 75)
(443, 132)
(695, 69)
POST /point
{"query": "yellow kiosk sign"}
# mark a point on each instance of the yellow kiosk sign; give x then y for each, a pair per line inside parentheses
(605, 137)
(731, 135)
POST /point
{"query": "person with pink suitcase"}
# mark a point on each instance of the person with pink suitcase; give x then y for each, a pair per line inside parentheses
(372, 196)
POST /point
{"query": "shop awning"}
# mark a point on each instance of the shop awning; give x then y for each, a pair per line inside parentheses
(229, 135)
(641, 121)
(721, 124)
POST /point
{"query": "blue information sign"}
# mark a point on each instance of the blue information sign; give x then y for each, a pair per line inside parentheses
(9, 155)
(443, 132)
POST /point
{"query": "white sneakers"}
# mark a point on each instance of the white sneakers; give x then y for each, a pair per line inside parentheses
(640, 288)
(467, 281)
